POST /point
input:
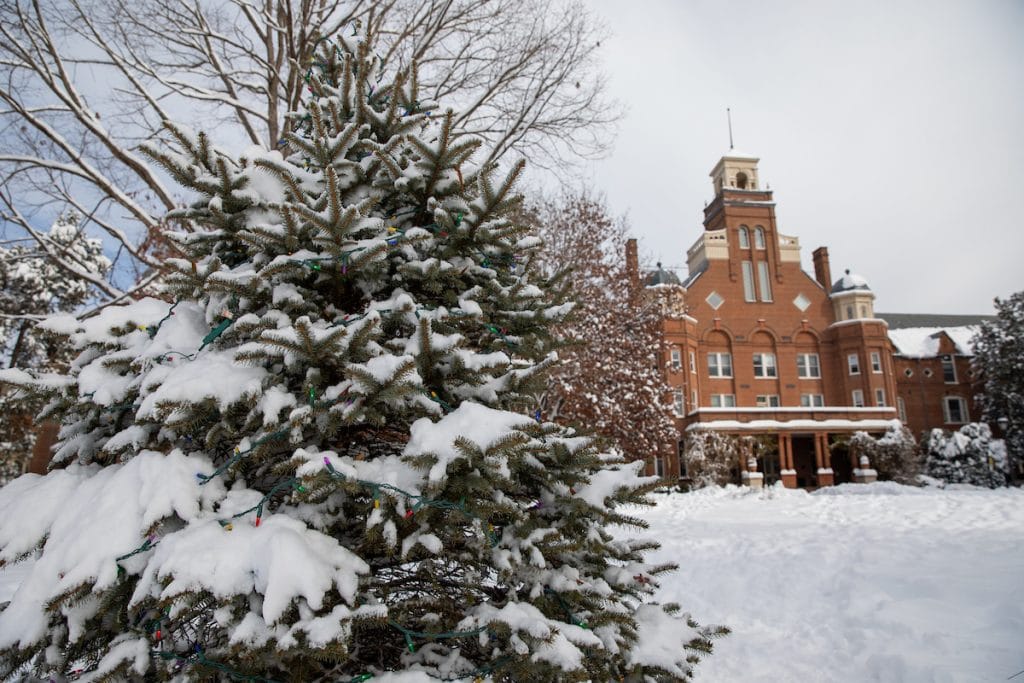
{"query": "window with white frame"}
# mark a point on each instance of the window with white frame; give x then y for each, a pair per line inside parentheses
(955, 410)
(876, 362)
(744, 237)
(677, 401)
(764, 365)
(720, 364)
(853, 362)
(748, 281)
(880, 398)
(693, 362)
(693, 398)
(812, 401)
(858, 398)
(948, 370)
(808, 366)
(759, 237)
(676, 356)
(763, 281)
(659, 466)
(768, 401)
(723, 400)
(901, 408)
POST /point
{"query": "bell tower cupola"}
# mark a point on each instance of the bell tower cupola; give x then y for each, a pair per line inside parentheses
(735, 171)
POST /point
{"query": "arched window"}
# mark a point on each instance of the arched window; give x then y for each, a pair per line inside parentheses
(759, 237)
(744, 238)
(741, 180)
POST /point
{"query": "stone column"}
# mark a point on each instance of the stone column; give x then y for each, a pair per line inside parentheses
(786, 473)
(864, 474)
(751, 477)
(826, 477)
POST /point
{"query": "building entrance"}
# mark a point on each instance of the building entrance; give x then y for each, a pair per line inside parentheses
(842, 467)
(768, 465)
(804, 462)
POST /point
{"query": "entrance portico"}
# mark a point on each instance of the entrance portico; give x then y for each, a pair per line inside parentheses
(803, 458)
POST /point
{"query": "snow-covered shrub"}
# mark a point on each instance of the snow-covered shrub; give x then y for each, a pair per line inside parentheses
(714, 459)
(967, 456)
(895, 455)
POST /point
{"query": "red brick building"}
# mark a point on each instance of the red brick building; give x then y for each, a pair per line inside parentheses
(755, 345)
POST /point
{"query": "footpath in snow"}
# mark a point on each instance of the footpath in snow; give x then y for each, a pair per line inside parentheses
(874, 582)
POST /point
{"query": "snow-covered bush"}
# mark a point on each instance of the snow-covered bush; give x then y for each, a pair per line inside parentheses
(322, 461)
(967, 456)
(895, 455)
(714, 459)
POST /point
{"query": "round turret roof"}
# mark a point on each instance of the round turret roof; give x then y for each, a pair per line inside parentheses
(850, 282)
(661, 277)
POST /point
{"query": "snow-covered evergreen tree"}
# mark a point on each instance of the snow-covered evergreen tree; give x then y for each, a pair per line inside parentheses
(999, 355)
(319, 463)
(33, 285)
(895, 455)
(967, 456)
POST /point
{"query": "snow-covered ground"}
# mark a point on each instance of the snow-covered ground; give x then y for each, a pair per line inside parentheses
(854, 583)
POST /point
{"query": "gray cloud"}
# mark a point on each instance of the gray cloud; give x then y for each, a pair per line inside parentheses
(892, 132)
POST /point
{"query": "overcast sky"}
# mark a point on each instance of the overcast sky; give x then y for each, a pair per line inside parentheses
(891, 132)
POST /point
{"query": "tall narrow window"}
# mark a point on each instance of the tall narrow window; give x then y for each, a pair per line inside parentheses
(880, 398)
(853, 362)
(659, 466)
(858, 398)
(764, 365)
(720, 364)
(955, 409)
(748, 281)
(808, 366)
(677, 358)
(759, 237)
(948, 370)
(876, 362)
(677, 401)
(763, 281)
(693, 363)
(744, 237)
(901, 407)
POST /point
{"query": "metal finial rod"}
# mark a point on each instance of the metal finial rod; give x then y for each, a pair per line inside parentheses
(728, 115)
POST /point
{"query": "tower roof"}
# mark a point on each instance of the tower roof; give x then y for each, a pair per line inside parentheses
(660, 277)
(850, 282)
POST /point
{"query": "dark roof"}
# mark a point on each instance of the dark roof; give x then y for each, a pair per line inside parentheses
(660, 277)
(849, 283)
(898, 321)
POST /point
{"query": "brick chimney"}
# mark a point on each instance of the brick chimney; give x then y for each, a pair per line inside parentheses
(822, 272)
(632, 265)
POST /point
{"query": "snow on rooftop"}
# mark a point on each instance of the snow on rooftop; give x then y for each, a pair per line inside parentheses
(923, 342)
(850, 281)
(736, 154)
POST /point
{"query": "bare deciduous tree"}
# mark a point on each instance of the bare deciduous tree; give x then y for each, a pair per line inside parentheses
(608, 378)
(83, 83)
